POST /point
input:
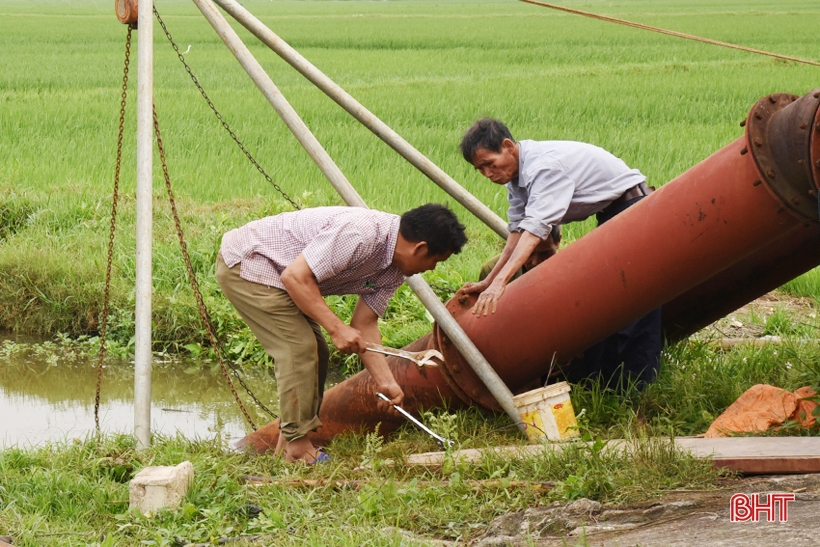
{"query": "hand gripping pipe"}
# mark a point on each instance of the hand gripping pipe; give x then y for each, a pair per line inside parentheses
(700, 232)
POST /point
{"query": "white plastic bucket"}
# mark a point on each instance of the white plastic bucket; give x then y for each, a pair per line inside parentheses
(547, 412)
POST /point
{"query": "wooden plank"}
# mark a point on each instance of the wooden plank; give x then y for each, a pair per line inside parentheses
(356, 484)
(750, 455)
(429, 459)
(758, 455)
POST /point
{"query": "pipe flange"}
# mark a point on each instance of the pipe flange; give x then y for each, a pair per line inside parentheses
(779, 131)
(457, 372)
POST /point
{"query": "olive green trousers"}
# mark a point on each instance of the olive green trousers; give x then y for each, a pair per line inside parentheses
(294, 341)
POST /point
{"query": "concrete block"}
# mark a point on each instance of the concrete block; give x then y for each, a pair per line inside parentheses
(160, 486)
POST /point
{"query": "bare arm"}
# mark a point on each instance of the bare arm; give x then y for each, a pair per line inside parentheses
(481, 286)
(488, 300)
(302, 287)
(366, 321)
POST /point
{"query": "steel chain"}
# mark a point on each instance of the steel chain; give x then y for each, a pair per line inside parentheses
(218, 115)
(113, 229)
(203, 311)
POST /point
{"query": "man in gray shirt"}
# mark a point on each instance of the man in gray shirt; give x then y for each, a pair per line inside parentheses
(551, 183)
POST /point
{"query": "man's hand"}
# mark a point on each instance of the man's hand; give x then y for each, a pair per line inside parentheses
(348, 340)
(394, 393)
(471, 288)
(367, 321)
(488, 300)
(518, 249)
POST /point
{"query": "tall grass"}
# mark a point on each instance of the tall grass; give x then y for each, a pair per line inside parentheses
(696, 383)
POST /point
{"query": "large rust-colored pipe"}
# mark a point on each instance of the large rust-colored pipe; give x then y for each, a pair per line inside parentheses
(745, 198)
(782, 260)
(744, 281)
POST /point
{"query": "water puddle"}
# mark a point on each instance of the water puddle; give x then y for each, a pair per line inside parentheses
(47, 394)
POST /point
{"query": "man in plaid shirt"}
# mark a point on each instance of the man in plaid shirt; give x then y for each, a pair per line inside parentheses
(276, 270)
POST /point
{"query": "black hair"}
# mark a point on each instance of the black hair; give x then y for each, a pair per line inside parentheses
(485, 133)
(435, 225)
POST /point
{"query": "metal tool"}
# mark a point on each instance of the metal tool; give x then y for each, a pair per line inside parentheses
(421, 358)
(439, 439)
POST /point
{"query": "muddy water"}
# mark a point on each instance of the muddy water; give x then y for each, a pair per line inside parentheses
(47, 394)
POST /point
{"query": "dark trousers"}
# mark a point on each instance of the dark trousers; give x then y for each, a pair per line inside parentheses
(631, 355)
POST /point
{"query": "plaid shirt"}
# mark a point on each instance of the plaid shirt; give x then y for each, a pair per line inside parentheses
(348, 249)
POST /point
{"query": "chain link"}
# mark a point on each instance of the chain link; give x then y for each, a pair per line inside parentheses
(112, 231)
(218, 115)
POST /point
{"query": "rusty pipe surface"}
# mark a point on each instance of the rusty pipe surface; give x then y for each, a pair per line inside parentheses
(759, 273)
(792, 175)
(718, 217)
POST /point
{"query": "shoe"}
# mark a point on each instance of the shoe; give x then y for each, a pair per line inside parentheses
(321, 458)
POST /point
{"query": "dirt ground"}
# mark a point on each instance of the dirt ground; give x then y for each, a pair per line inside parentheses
(749, 320)
(679, 519)
(682, 518)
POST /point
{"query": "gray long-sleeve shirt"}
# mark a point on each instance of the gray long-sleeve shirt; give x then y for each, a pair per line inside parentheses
(564, 181)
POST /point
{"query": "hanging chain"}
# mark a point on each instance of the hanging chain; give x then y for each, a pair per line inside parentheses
(113, 229)
(203, 311)
(219, 116)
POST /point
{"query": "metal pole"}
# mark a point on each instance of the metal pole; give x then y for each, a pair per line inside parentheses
(145, 149)
(468, 350)
(280, 104)
(363, 115)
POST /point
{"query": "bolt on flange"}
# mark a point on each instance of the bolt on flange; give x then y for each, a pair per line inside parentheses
(779, 128)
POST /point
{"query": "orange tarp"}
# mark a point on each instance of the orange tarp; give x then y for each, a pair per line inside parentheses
(762, 407)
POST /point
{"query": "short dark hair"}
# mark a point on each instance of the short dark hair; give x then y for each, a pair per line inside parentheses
(435, 225)
(485, 133)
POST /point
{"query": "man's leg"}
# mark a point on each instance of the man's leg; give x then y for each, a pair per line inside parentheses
(291, 340)
(596, 361)
(642, 349)
(323, 352)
